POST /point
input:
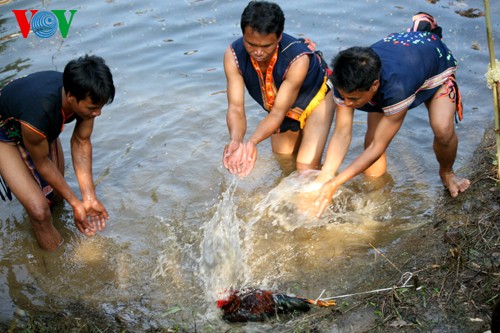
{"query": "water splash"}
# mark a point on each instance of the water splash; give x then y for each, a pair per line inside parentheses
(284, 240)
(276, 239)
(222, 260)
(292, 204)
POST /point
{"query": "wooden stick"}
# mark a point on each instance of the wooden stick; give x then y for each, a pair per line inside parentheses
(496, 85)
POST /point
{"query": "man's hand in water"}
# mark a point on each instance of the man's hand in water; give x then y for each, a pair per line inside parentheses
(233, 154)
(307, 199)
(325, 196)
(96, 213)
(249, 158)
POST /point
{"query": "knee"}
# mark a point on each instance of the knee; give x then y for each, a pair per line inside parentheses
(444, 135)
(40, 214)
(446, 139)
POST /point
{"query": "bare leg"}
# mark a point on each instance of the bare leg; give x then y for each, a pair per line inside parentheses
(26, 189)
(379, 167)
(441, 115)
(312, 146)
(285, 143)
(315, 135)
(58, 157)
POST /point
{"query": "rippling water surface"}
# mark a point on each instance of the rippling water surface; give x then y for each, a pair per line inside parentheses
(182, 229)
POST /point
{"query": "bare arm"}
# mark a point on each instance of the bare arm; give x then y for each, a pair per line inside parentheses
(38, 148)
(236, 118)
(339, 143)
(81, 153)
(385, 132)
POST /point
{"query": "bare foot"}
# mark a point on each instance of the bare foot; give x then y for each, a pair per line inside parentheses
(455, 184)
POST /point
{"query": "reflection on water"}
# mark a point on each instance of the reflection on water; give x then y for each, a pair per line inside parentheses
(182, 229)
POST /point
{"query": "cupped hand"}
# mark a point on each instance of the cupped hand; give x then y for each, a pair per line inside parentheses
(96, 214)
(233, 154)
(90, 217)
(249, 158)
(82, 221)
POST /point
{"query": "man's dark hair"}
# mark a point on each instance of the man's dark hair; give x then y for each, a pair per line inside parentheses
(263, 17)
(355, 69)
(89, 76)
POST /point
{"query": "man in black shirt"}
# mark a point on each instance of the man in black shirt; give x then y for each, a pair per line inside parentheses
(33, 111)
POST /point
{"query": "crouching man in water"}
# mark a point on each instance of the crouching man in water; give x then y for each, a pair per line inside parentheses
(33, 111)
(396, 74)
(288, 80)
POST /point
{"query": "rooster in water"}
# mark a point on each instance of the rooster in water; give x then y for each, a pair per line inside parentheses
(257, 305)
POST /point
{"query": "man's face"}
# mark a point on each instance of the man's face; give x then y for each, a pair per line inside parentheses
(85, 108)
(260, 47)
(357, 99)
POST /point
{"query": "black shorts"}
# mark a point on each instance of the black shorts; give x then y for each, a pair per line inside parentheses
(289, 124)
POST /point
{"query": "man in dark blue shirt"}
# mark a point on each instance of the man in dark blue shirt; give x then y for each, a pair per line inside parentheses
(33, 111)
(398, 73)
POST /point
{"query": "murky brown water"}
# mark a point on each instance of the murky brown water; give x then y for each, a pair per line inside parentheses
(182, 228)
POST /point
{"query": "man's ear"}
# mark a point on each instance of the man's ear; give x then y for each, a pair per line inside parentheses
(375, 86)
(70, 98)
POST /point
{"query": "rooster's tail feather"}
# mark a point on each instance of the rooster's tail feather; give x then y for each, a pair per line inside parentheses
(287, 304)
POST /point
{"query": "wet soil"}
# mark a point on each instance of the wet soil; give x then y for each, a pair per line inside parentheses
(455, 285)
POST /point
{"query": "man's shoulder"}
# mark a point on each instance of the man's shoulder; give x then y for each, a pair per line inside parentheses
(42, 79)
(237, 43)
(45, 74)
(289, 40)
(290, 47)
(35, 89)
(287, 36)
